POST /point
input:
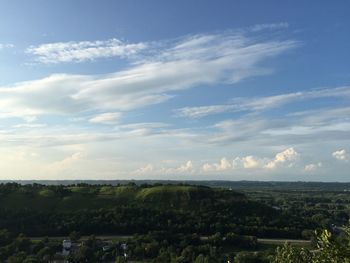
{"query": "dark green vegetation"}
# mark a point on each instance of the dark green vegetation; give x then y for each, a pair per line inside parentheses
(39, 210)
(329, 248)
(165, 223)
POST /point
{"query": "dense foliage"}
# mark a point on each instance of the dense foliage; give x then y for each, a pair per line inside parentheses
(157, 246)
(39, 210)
(168, 223)
(329, 249)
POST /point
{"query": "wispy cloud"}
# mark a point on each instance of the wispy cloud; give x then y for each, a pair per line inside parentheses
(273, 26)
(187, 63)
(309, 128)
(52, 53)
(106, 118)
(203, 111)
(65, 164)
(250, 142)
(261, 103)
(143, 125)
(3, 46)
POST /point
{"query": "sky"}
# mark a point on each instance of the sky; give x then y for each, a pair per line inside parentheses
(179, 90)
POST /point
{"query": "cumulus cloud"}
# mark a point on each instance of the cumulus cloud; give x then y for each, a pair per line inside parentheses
(183, 169)
(287, 156)
(341, 155)
(207, 167)
(312, 167)
(250, 162)
(222, 165)
(283, 159)
(83, 51)
(147, 169)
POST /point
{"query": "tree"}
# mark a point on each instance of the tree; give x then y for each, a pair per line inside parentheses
(246, 257)
(328, 250)
(18, 258)
(120, 259)
(22, 243)
(289, 254)
(74, 236)
(85, 253)
(5, 237)
(201, 259)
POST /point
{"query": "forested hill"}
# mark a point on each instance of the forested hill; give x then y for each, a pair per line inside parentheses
(127, 209)
(83, 196)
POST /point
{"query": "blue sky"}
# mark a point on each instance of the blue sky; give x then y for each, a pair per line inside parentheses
(230, 90)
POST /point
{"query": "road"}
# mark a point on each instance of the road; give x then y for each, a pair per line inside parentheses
(111, 237)
(282, 241)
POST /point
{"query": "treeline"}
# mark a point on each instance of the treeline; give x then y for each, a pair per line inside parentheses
(38, 210)
(157, 246)
(161, 246)
(20, 249)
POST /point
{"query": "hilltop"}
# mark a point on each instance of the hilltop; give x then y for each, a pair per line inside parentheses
(83, 196)
(105, 209)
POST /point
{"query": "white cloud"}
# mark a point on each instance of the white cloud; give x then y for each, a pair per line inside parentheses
(65, 164)
(29, 125)
(312, 167)
(202, 111)
(341, 155)
(287, 156)
(250, 162)
(143, 125)
(82, 51)
(182, 169)
(309, 127)
(157, 76)
(3, 46)
(106, 118)
(152, 79)
(262, 103)
(223, 165)
(284, 159)
(147, 169)
(275, 26)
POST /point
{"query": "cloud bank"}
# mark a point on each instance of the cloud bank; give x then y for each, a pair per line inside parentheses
(283, 160)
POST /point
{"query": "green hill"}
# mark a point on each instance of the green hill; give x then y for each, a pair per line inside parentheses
(126, 209)
(78, 197)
